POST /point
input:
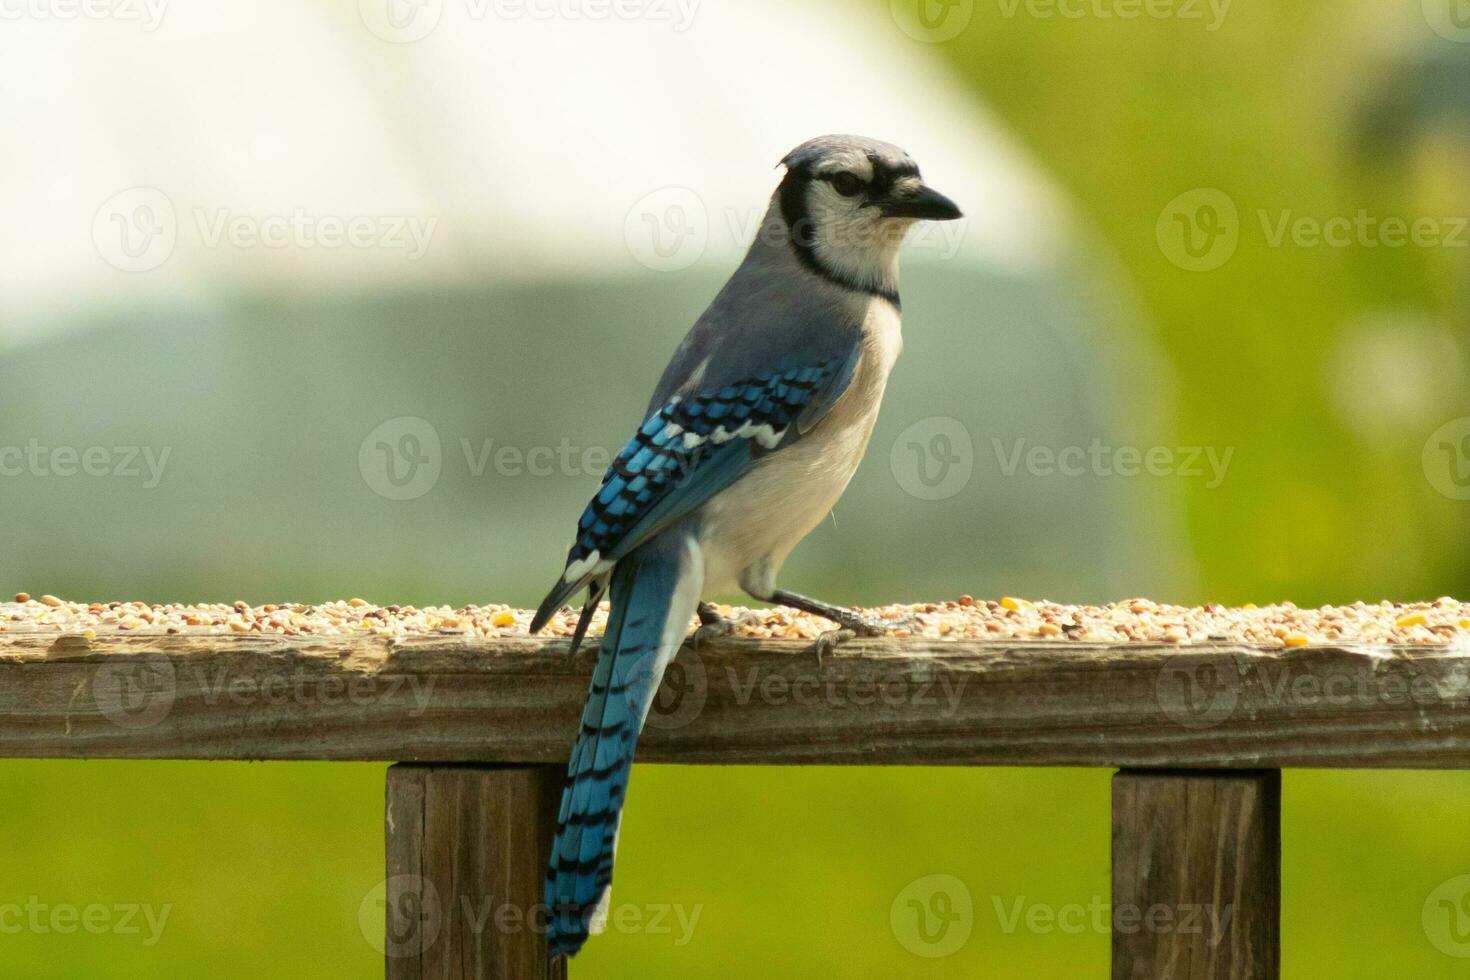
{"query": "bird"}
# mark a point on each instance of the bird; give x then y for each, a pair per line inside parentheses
(754, 430)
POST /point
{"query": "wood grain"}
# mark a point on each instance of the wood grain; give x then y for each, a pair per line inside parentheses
(1196, 875)
(467, 854)
(884, 700)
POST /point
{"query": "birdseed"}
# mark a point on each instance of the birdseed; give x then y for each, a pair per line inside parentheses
(1007, 619)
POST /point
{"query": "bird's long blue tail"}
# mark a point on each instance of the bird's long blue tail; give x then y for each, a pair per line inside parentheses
(654, 593)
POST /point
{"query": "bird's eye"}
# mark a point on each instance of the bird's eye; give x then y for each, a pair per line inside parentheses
(846, 184)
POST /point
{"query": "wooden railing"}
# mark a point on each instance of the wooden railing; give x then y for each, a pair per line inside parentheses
(481, 728)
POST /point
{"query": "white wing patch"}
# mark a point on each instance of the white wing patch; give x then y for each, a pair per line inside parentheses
(591, 562)
(765, 435)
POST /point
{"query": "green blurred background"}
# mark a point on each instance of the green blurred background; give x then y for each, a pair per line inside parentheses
(1329, 372)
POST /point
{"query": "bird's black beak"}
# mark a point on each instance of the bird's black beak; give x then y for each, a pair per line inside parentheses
(925, 203)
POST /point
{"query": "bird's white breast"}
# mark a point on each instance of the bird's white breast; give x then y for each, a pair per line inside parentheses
(883, 335)
(758, 520)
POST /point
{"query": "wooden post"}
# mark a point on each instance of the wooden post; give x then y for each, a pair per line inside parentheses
(467, 853)
(1196, 874)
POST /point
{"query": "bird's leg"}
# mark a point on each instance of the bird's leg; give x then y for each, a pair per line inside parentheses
(848, 619)
(713, 626)
(850, 622)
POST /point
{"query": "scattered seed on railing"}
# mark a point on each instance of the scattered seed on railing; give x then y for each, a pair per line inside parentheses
(1009, 618)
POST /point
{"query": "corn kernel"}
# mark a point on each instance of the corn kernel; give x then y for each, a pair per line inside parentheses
(1013, 604)
(1294, 640)
(506, 618)
(1416, 619)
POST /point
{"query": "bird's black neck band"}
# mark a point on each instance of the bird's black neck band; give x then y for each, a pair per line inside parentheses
(801, 232)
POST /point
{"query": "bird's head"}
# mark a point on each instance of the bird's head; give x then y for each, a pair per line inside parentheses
(847, 202)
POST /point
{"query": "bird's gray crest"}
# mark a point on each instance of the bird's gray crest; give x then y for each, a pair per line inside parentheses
(820, 149)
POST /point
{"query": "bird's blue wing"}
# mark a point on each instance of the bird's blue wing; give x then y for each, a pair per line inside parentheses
(687, 451)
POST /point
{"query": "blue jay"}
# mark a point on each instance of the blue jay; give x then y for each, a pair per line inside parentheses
(754, 431)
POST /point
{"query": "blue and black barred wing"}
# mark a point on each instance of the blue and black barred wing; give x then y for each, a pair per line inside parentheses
(685, 453)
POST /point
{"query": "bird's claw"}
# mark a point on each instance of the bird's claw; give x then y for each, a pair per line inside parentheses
(710, 632)
(829, 641)
(865, 626)
(852, 626)
(715, 627)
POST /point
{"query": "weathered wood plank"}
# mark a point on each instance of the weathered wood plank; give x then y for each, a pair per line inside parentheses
(1196, 875)
(900, 701)
(467, 854)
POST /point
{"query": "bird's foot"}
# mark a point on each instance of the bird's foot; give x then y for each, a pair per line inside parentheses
(851, 625)
(713, 626)
(829, 641)
(862, 625)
